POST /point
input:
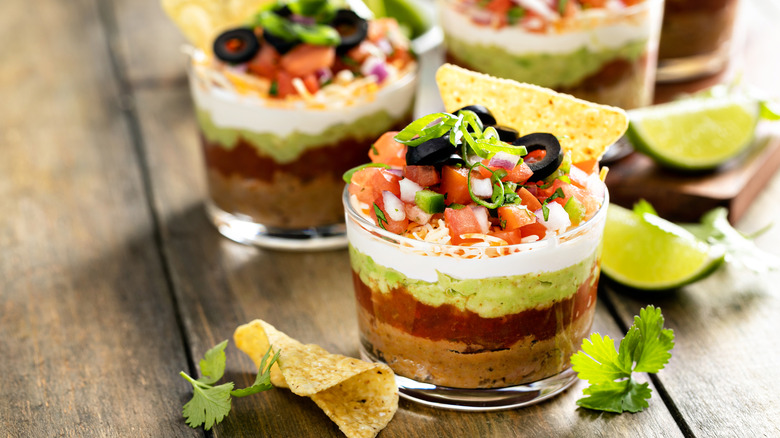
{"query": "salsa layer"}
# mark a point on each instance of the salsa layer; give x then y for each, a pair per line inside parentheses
(286, 149)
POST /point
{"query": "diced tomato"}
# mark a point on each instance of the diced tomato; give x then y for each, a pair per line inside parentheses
(500, 7)
(284, 86)
(388, 151)
(535, 156)
(425, 176)
(399, 57)
(590, 203)
(519, 174)
(311, 83)
(306, 59)
(369, 183)
(578, 177)
(566, 188)
(361, 52)
(528, 199)
(588, 166)
(593, 3)
(265, 63)
(515, 216)
(536, 229)
(461, 221)
(397, 227)
(454, 184)
(511, 237)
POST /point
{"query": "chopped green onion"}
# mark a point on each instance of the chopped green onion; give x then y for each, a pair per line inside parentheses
(347, 177)
(317, 34)
(380, 216)
(419, 132)
(279, 26)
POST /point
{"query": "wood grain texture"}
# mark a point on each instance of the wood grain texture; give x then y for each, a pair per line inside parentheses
(88, 335)
(221, 284)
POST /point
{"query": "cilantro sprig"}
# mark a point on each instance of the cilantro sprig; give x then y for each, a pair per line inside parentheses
(646, 348)
(211, 404)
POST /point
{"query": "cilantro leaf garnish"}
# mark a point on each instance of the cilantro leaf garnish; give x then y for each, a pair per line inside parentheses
(558, 193)
(211, 404)
(645, 348)
(380, 216)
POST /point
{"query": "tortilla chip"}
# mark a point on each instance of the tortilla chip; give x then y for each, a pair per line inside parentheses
(584, 128)
(201, 21)
(360, 397)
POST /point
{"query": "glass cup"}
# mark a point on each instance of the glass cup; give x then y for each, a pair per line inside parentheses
(274, 167)
(602, 55)
(695, 38)
(475, 328)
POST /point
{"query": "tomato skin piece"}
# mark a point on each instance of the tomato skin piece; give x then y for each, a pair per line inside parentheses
(265, 63)
(461, 221)
(528, 199)
(454, 184)
(397, 227)
(514, 217)
(519, 174)
(306, 59)
(369, 183)
(425, 176)
(512, 237)
(535, 228)
(284, 85)
(388, 151)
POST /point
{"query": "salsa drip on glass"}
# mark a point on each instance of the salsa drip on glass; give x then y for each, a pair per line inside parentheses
(461, 179)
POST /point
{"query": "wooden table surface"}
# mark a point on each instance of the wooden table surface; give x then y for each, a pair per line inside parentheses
(112, 280)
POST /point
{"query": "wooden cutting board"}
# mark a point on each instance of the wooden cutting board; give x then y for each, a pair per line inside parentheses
(685, 197)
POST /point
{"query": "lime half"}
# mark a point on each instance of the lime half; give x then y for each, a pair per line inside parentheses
(644, 251)
(694, 134)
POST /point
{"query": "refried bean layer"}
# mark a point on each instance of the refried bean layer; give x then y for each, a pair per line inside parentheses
(447, 346)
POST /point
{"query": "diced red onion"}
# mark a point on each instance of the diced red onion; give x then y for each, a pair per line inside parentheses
(416, 214)
(376, 66)
(323, 74)
(408, 189)
(394, 207)
(302, 19)
(557, 219)
(482, 217)
(481, 187)
(238, 68)
(385, 46)
(504, 160)
(396, 172)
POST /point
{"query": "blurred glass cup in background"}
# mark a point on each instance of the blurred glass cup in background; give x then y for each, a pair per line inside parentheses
(603, 51)
(696, 38)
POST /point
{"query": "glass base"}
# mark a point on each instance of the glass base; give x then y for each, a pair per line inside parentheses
(480, 400)
(692, 67)
(242, 229)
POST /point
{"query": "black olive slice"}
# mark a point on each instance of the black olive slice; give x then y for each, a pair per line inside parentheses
(506, 134)
(552, 157)
(483, 113)
(431, 152)
(236, 45)
(352, 28)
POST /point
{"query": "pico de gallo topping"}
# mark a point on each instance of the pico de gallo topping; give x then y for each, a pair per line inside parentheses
(295, 49)
(478, 181)
(535, 15)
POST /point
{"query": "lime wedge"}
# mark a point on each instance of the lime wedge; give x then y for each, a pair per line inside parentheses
(694, 134)
(644, 251)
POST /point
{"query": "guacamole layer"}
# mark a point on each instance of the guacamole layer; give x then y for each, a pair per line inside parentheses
(544, 69)
(286, 149)
(487, 297)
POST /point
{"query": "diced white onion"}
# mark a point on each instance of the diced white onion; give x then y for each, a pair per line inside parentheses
(596, 186)
(557, 219)
(482, 217)
(394, 207)
(416, 214)
(408, 189)
(481, 187)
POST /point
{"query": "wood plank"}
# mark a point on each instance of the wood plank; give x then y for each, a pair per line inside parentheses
(221, 284)
(90, 345)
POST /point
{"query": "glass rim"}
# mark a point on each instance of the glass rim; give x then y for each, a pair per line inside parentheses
(397, 239)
